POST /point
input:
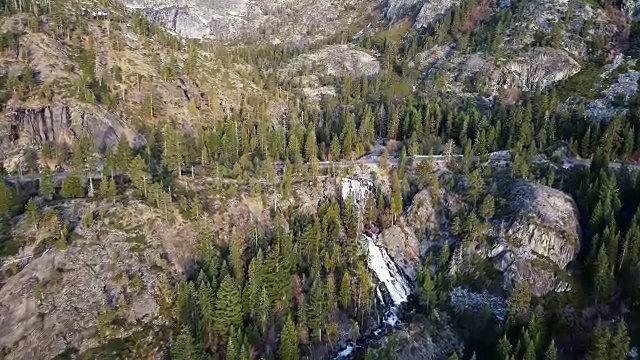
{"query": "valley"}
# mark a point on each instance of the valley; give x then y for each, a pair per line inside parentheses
(365, 179)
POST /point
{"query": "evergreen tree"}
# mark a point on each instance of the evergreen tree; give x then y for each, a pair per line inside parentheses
(289, 341)
(33, 216)
(396, 198)
(7, 199)
(345, 292)
(317, 310)
(487, 208)
(552, 351)
(46, 184)
(619, 349)
(599, 349)
(228, 307)
(602, 275)
(139, 176)
(72, 187)
(184, 349)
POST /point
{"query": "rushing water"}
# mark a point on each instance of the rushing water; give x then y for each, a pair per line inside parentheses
(392, 291)
(393, 288)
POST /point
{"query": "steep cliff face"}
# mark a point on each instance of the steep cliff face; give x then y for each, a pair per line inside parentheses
(397, 8)
(404, 248)
(540, 240)
(61, 124)
(537, 67)
(433, 10)
(280, 20)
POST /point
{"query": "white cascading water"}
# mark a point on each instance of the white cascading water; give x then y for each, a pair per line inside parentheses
(379, 262)
(388, 274)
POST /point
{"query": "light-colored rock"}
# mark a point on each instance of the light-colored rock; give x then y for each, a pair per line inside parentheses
(631, 9)
(540, 240)
(335, 60)
(538, 67)
(62, 124)
(51, 305)
(432, 10)
(403, 247)
(292, 21)
(397, 8)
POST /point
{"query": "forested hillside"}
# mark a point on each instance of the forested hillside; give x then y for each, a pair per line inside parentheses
(272, 192)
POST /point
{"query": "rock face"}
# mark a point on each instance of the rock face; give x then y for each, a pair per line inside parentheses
(432, 10)
(51, 305)
(288, 20)
(538, 67)
(306, 71)
(397, 8)
(541, 239)
(631, 9)
(403, 247)
(336, 60)
(61, 124)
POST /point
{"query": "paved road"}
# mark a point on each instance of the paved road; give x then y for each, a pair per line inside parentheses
(372, 159)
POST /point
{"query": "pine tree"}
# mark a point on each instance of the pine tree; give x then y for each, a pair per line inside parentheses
(7, 199)
(317, 310)
(345, 292)
(289, 341)
(487, 208)
(46, 184)
(619, 349)
(602, 275)
(599, 349)
(253, 290)
(228, 307)
(72, 187)
(504, 348)
(236, 256)
(427, 286)
(32, 213)
(552, 351)
(396, 198)
(139, 176)
(183, 349)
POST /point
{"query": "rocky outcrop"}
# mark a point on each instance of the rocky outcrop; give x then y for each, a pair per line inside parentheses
(539, 67)
(403, 247)
(540, 240)
(433, 10)
(61, 124)
(51, 305)
(398, 8)
(336, 60)
(631, 9)
(281, 20)
(307, 71)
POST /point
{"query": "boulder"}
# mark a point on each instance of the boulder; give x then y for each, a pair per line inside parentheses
(540, 239)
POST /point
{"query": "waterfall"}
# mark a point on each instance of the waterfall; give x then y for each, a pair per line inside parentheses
(390, 276)
(391, 280)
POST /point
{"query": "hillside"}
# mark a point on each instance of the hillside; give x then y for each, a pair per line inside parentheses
(365, 179)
